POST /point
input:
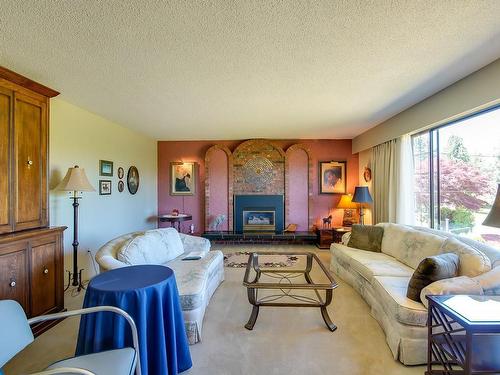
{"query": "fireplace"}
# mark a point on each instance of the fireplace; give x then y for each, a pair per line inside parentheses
(258, 213)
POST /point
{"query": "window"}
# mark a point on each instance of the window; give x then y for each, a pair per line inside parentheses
(457, 169)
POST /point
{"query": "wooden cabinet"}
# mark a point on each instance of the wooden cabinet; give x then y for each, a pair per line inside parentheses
(325, 237)
(24, 119)
(32, 271)
(31, 254)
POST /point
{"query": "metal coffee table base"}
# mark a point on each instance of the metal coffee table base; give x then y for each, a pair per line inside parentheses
(285, 287)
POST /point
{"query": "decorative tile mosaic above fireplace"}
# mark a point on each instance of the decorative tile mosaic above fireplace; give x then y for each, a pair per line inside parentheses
(258, 213)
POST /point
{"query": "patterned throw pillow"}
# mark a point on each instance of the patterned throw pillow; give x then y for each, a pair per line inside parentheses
(366, 237)
(431, 269)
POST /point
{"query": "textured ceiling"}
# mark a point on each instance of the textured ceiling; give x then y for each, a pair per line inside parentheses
(247, 69)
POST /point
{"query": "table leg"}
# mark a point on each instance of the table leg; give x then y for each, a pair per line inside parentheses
(253, 318)
(252, 298)
(324, 313)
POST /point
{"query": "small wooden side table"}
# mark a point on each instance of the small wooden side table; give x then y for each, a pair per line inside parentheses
(464, 335)
(327, 236)
(173, 219)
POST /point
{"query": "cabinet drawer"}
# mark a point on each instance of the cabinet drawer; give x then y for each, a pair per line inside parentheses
(13, 277)
(43, 278)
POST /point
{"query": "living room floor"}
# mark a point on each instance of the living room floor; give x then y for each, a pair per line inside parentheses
(283, 341)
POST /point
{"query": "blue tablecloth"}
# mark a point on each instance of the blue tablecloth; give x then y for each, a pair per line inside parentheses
(149, 294)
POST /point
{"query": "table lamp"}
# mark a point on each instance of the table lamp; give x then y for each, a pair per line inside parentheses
(362, 196)
(493, 218)
(75, 181)
(348, 206)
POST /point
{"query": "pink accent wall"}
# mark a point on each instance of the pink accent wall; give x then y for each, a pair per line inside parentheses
(298, 191)
(218, 176)
(194, 151)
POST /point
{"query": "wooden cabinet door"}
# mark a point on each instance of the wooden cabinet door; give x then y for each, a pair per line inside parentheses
(43, 277)
(13, 276)
(6, 97)
(30, 159)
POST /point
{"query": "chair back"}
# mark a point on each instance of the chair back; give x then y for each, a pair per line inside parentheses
(15, 332)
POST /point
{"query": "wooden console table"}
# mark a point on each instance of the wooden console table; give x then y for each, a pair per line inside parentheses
(327, 236)
(464, 335)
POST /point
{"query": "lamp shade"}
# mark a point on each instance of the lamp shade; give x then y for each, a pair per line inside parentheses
(493, 218)
(362, 195)
(346, 202)
(75, 180)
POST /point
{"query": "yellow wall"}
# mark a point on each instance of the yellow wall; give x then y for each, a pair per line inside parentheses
(83, 138)
(473, 93)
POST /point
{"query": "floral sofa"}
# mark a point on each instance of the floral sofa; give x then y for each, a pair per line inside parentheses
(197, 280)
(382, 280)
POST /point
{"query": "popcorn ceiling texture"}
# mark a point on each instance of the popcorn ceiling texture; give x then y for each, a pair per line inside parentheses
(248, 69)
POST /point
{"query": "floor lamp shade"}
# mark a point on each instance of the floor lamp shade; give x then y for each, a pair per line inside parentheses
(75, 180)
(493, 218)
(361, 196)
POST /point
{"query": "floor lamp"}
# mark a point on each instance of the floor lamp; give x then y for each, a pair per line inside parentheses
(493, 218)
(362, 196)
(75, 181)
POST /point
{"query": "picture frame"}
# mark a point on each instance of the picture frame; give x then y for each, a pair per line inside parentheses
(121, 186)
(105, 168)
(183, 178)
(120, 172)
(133, 180)
(104, 187)
(332, 177)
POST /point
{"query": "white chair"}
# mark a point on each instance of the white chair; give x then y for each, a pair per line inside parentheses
(16, 335)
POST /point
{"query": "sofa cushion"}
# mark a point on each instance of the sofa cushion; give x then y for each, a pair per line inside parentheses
(192, 277)
(408, 245)
(472, 261)
(431, 269)
(455, 285)
(172, 241)
(369, 264)
(148, 248)
(366, 237)
(391, 291)
(490, 281)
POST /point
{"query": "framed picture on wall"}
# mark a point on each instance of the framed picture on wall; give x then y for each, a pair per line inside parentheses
(104, 187)
(332, 177)
(105, 168)
(182, 178)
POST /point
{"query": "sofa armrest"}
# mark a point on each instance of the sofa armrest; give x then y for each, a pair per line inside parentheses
(107, 262)
(454, 285)
(194, 243)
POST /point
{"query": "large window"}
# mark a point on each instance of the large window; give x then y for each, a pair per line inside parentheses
(457, 169)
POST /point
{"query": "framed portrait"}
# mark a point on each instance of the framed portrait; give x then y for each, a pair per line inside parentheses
(121, 186)
(332, 177)
(104, 187)
(105, 168)
(121, 173)
(182, 178)
(133, 180)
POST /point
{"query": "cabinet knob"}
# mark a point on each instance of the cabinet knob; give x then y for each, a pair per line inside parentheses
(12, 283)
(45, 270)
(30, 162)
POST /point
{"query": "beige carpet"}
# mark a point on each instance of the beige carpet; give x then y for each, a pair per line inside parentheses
(284, 340)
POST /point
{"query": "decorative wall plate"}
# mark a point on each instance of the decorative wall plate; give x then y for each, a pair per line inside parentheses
(258, 171)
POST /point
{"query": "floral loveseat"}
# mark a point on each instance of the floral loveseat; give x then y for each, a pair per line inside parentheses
(197, 280)
(382, 280)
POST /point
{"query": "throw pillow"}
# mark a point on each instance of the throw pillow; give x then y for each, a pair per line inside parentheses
(455, 285)
(171, 241)
(431, 269)
(472, 261)
(366, 237)
(490, 281)
(144, 249)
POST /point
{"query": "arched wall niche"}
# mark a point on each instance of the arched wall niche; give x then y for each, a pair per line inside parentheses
(218, 186)
(298, 187)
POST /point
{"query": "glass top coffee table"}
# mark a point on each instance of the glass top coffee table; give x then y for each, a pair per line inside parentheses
(305, 283)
